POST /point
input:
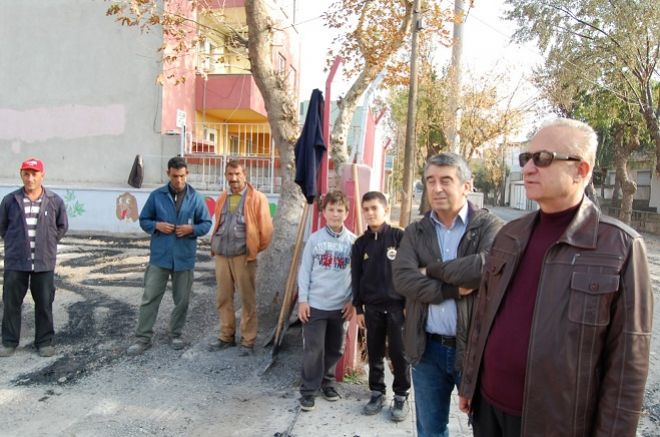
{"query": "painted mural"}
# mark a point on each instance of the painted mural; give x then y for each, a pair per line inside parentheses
(73, 207)
(210, 204)
(126, 208)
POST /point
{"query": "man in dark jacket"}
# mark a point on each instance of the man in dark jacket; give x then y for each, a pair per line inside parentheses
(174, 215)
(437, 267)
(32, 221)
(565, 307)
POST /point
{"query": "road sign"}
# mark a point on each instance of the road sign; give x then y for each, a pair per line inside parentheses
(180, 118)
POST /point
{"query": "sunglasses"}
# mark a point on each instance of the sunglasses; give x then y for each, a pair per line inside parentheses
(545, 158)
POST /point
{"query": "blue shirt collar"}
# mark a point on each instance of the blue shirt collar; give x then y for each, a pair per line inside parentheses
(462, 216)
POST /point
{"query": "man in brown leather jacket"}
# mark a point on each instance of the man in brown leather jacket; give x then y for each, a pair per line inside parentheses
(562, 325)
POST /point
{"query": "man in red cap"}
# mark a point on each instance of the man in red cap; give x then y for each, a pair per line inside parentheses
(32, 221)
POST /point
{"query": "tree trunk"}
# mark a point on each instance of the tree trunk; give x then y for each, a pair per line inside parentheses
(653, 127)
(616, 188)
(342, 124)
(424, 205)
(338, 146)
(283, 119)
(646, 107)
(628, 187)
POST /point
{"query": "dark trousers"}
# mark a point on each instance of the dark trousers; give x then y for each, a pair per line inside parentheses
(323, 346)
(490, 421)
(386, 326)
(42, 287)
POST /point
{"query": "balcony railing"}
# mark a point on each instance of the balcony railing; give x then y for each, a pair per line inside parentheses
(211, 145)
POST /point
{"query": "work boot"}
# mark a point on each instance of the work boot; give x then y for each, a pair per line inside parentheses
(7, 351)
(217, 345)
(400, 409)
(138, 348)
(46, 351)
(375, 404)
(307, 403)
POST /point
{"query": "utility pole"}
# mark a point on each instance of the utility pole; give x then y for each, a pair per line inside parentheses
(455, 73)
(410, 146)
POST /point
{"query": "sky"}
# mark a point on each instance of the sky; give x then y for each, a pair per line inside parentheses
(487, 48)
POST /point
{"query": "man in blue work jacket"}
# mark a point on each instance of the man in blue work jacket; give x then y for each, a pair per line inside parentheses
(174, 215)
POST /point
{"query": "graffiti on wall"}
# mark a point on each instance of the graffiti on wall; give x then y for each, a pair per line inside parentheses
(126, 207)
(73, 207)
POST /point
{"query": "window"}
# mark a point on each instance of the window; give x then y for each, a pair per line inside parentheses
(211, 136)
(644, 177)
(611, 177)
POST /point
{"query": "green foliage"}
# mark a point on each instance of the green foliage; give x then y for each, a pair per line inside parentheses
(597, 47)
(489, 175)
(354, 377)
(607, 114)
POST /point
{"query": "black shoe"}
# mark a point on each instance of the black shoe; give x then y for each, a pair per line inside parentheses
(330, 394)
(400, 409)
(307, 403)
(375, 404)
(218, 344)
(246, 351)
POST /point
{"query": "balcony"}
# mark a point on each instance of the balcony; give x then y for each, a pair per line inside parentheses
(231, 97)
(211, 145)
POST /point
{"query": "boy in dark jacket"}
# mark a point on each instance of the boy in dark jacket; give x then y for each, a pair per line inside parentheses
(379, 308)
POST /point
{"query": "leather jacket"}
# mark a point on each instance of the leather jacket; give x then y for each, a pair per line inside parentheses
(419, 248)
(591, 327)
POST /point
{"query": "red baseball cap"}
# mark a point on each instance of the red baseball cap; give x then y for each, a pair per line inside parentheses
(33, 164)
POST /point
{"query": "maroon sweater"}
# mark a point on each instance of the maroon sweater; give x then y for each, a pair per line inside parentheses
(505, 357)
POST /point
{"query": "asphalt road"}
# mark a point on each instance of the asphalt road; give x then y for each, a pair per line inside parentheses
(92, 388)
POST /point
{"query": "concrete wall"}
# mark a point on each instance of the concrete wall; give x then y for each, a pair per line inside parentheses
(654, 196)
(641, 221)
(78, 91)
(115, 211)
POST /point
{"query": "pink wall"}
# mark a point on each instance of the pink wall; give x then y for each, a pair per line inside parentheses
(222, 91)
(229, 91)
(220, 4)
(369, 140)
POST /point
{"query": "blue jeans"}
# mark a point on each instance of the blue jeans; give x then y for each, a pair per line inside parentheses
(434, 378)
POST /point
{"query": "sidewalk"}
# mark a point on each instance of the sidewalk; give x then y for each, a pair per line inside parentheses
(345, 418)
